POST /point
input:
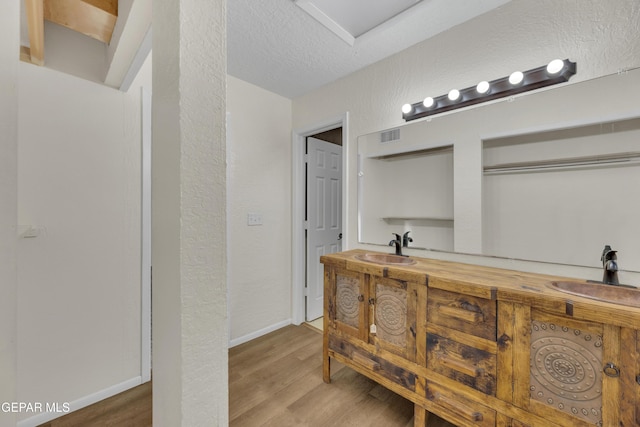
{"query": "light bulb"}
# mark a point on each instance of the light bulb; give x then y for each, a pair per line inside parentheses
(516, 77)
(454, 94)
(428, 102)
(406, 108)
(483, 87)
(555, 66)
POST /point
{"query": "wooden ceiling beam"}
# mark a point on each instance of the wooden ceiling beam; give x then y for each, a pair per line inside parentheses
(35, 22)
(94, 18)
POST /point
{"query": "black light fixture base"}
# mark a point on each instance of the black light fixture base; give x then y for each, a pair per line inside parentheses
(500, 88)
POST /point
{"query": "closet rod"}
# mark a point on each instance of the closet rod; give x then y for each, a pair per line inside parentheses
(602, 159)
(413, 153)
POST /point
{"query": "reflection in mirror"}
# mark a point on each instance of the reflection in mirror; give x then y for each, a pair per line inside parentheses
(409, 191)
(560, 196)
(551, 176)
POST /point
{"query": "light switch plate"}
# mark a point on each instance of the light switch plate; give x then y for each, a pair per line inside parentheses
(254, 219)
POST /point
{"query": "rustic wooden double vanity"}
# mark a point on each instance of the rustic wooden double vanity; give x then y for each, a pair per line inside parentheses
(482, 346)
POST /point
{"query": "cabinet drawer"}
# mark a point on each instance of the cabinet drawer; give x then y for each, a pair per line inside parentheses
(472, 315)
(372, 363)
(468, 365)
(458, 409)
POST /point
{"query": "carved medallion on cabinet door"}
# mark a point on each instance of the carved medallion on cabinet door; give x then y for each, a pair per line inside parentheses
(349, 309)
(347, 304)
(393, 310)
(566, 367)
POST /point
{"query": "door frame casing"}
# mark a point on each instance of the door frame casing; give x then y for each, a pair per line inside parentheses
(298, 271)
(145, 328)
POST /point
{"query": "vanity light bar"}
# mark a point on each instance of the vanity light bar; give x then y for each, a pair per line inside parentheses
(557, 71)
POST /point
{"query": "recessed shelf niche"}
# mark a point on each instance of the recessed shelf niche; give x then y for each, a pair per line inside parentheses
(406, 191)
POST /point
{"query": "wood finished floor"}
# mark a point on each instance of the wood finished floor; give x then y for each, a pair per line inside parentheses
(275, 380)
(131, 408)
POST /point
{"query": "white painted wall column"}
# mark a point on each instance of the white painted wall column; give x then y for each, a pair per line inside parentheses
(190, 325)
(9, 56)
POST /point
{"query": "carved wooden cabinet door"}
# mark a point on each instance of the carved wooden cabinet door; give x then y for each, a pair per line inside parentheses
(392, 314)
(347, 302)
(629, 377)
(582, 373)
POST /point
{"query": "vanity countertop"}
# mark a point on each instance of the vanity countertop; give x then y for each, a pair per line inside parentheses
(494, 283)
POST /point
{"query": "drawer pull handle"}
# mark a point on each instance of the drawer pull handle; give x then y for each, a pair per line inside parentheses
(365, 361)
(460, 366)
(611, 370)
(467, 412)
(461, 313)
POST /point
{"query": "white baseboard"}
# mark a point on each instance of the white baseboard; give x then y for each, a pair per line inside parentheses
(82, 402)
(243, 339)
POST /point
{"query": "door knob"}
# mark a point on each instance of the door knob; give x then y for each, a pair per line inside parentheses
(340, 236)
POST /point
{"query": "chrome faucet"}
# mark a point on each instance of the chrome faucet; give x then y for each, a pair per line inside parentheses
(398, 243)
(406, 239)
(610, 266)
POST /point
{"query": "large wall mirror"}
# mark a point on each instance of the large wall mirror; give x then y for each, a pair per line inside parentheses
(551, 176)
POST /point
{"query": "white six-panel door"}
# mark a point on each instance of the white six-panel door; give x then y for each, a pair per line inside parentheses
(324, 215)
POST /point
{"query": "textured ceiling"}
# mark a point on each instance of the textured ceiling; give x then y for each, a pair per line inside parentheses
(353, 18)
(278, 46)
(274, 44)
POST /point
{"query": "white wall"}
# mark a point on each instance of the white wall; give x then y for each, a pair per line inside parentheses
(79, 179)
(71, 52)
(9, 40)
(259, 162)
(190, 324)
(600, 36)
